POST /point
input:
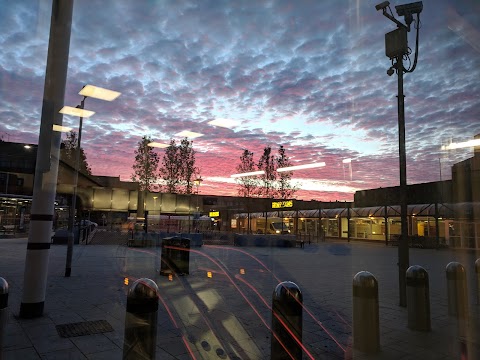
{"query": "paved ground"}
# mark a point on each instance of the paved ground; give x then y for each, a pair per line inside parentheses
(227, 315)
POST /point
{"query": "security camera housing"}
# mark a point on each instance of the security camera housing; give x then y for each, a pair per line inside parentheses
(382, 5)
(409, 9)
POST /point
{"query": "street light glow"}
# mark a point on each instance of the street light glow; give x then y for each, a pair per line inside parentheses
(226, 123)
(158, 145)
(188, 134)
(74, 111)
(60, 128)
(99, 93)
(253, 173)
(301, 167)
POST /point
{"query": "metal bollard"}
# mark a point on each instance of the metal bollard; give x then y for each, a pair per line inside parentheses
(366, 327)
(457, 290)
(477, 273)
(3, 311)
(141, 320)
(418, 298)
(287, 309)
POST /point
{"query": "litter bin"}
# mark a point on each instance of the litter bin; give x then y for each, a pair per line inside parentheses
(175, 256)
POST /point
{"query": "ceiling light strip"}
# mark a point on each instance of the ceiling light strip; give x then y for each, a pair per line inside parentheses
(301, 167)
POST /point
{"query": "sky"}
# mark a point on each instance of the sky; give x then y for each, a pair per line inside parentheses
(308, 75)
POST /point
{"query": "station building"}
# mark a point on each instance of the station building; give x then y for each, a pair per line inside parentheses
(439, 213)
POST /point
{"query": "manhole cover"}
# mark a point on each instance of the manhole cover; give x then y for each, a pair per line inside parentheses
(83, 328)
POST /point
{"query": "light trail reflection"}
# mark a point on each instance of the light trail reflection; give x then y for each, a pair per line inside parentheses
(232, 277)
(318, 322)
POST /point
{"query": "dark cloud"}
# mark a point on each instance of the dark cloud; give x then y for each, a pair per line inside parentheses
(309, 75)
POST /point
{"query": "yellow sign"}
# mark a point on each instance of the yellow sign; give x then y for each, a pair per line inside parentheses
(125, 281)
(282, 204)
(214, 213)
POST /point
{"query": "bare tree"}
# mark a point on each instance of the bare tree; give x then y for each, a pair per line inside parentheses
(178, 167)
(145, 165)
(187, 157)
(267, 180)
(247, 184)
(170, 171)
(69, 154)
(285, 189)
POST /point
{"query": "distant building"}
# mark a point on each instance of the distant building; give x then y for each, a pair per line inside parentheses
(442, 209)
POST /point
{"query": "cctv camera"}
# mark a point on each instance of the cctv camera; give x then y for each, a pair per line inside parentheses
(382, 5)
(390, 71)
(408, 9)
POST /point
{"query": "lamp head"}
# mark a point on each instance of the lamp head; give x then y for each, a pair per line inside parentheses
(409, 9)
(382, 6)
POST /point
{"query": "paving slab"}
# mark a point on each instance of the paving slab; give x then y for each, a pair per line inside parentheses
(228, 314)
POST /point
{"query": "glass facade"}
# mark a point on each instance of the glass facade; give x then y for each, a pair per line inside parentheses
(281, 179)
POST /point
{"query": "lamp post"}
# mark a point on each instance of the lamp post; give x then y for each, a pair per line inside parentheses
(396, 44)
(197, 183)
(154, 207)
(87, 91)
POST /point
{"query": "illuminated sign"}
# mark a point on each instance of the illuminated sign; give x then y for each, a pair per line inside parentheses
(214, 214)
(233, 223)
(282, 204)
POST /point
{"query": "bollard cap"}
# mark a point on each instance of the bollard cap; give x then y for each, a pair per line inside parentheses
(365, 279)
(416, 275)
(455, 270)
(417, 272)
(3, 286)
(143, 288)
(288, 291)
(142, 297)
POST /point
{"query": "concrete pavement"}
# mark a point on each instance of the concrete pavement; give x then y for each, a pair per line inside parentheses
(227, 315)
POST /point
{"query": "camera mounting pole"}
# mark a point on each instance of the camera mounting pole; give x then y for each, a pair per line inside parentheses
(396, 47)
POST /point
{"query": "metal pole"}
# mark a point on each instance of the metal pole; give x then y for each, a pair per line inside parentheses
(366, 324)
(403, 253)
(418, 295)
(46, 169)
(3, 312)
(71, 223)
(140, 337)
(287, 320)
(189, 217)
(477, 276)
(457, 290)
(437, 226)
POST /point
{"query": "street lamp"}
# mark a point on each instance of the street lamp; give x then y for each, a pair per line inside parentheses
(79, 110)
(154, 207)
(197, 183)
(396, 48)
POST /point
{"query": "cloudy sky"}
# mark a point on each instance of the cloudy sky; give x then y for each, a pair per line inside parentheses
(306, 74)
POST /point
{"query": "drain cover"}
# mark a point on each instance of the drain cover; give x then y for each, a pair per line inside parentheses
(83, 328)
